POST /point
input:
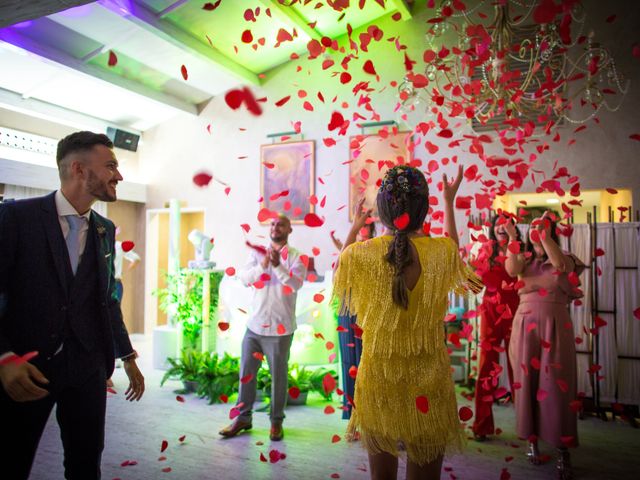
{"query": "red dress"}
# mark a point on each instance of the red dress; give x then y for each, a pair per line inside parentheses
(499, 303)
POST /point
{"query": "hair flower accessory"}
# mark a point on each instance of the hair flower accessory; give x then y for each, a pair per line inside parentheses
(400, 181)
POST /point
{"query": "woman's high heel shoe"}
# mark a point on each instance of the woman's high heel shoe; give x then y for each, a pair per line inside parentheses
(564, 465)
(533, 454)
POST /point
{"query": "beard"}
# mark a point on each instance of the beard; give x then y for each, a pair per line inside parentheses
(278, 238)
(99, 189)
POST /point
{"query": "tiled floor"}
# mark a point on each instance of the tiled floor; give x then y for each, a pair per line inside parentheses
(610, 450)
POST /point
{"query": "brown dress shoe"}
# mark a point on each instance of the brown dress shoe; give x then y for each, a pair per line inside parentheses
(276, 432)
(235, 428)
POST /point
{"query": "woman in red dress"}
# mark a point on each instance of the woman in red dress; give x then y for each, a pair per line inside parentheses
(499, 303)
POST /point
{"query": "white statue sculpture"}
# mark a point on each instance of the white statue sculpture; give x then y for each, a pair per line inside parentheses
(204, 250)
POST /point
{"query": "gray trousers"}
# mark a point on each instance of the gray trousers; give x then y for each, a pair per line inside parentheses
(276, 349)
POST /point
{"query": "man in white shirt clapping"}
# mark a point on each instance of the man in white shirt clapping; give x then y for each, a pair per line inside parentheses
(275, 277)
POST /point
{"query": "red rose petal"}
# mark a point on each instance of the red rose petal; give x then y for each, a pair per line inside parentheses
(402, 221)
(369, 68)
(230, 271)
(328, 410)
(422, 404)
(246, 379)
(202, 179)
(282, 101)
(312, 220)
(211, 6)
(281, 330)
(541, 394)
(294, 392)
(318, 298)
(164, 446)
(335, 439)
(183, 71)
(465, 413)
(247, 36)
(113, 59)
(328, 383)
(127, 246)
(223, 326)
(180, 398)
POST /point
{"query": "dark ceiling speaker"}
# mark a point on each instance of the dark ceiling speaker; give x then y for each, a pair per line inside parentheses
(122, 139)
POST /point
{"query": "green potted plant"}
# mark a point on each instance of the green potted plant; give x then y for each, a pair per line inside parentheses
(297, 376)
(218, 376)
(186, 368)
(300, 378)
(181, 300)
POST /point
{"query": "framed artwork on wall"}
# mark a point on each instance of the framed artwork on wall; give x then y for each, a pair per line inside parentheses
(287, 178)
(370, 157)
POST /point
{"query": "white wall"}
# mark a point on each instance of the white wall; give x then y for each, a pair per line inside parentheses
(603, 156)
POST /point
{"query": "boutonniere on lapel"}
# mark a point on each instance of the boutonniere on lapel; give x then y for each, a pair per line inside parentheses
(101, 231)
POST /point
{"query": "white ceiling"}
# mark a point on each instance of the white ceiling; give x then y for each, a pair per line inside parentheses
(35, 77)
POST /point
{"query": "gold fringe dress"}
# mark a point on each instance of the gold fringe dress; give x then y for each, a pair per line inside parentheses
(404, 355)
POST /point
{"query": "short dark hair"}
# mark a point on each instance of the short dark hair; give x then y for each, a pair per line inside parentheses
(80, 141)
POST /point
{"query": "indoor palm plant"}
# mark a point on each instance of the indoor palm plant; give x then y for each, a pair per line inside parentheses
(218, 376)
(186, 368)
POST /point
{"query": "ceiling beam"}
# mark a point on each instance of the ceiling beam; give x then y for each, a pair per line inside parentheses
(292, 15)
(55, 113)
(403, 7)
(14, 38)
(16, 11)
(150, 21)
(171, 8)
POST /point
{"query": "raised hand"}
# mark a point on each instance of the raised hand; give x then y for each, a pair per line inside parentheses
(274, 257)
(360, 215)
(510, 228)
(449, 190)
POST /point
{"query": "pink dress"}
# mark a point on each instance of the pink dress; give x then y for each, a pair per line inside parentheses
(543, 355)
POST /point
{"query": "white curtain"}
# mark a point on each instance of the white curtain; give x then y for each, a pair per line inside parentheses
(606, 338)
(581, 314)
(16, 192)
(627, 300)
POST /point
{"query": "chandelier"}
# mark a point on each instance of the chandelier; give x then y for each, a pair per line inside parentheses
(529, 65)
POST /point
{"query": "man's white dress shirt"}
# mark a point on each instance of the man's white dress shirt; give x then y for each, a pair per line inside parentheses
(275, 292)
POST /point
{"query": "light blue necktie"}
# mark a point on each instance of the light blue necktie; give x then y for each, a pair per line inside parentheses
(73, 240)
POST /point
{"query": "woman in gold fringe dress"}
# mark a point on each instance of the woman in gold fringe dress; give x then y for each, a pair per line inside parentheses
(397, 285)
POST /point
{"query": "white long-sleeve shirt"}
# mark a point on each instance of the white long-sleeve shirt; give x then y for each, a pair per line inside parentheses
(275, 289)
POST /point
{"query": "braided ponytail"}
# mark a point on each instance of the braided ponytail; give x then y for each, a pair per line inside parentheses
(404, 190)
(399, 256)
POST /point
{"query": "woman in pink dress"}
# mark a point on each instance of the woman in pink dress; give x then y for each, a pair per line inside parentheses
(542, 347)
(499, 303)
